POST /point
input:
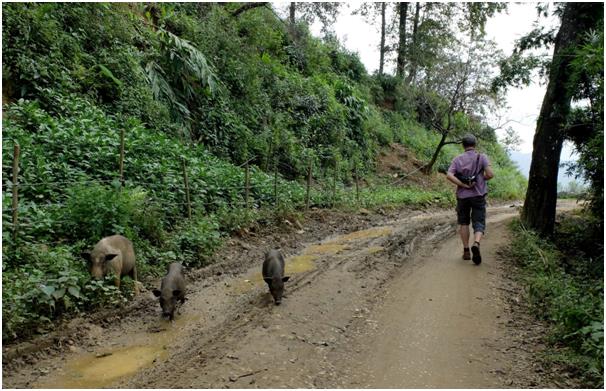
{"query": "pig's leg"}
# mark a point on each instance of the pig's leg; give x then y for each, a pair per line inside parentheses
(133, 275)
(181, 302)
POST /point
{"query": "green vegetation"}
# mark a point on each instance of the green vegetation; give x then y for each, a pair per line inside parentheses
(564, 282)
(191, 84)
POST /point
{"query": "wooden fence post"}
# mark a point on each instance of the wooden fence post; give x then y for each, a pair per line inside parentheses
(334, 185)
(122, 157)
(357, 184)
(276, 182)
(308, 184)
(247, 184)
(186, 188)
(16, 153)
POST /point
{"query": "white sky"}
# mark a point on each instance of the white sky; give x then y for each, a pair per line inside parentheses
(523, 104)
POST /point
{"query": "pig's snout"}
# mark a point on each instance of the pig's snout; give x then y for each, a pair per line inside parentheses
(278, 301)
(97, 274)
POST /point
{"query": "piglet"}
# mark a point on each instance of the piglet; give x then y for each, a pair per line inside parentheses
(273, 274)
(172, 290)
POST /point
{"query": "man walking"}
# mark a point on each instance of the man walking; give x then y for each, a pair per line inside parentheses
(470, 171)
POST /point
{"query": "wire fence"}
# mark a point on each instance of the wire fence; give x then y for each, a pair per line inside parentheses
(203, 195)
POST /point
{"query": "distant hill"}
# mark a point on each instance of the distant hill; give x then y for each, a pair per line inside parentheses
(523, 161)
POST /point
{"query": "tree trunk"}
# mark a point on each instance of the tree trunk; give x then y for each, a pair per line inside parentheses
(291, 17)
(429, 166)
(402, 10)
(540, 204)
(382, 48)
(413, 46)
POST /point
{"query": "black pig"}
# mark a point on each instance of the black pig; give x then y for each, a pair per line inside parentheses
(171, 290)
(273, 274)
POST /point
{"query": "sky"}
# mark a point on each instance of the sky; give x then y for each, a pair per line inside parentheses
(523, 105)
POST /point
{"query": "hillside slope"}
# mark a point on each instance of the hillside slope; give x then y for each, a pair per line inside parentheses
(196, 92)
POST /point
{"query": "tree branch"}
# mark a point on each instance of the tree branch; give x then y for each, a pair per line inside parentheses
(453, 142)
(247, 7)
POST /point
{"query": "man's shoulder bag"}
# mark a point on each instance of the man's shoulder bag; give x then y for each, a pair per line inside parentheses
(469, 180)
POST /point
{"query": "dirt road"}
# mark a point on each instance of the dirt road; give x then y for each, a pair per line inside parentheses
(437, 327)
(386, 302)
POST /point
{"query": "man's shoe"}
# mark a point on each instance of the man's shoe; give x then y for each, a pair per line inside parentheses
(477, 257)
(466, 254)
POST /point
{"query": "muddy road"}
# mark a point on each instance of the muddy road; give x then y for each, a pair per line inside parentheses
(374, 300)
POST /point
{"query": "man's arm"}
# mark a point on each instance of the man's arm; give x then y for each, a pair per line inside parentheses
(488, 174)
(450, 176)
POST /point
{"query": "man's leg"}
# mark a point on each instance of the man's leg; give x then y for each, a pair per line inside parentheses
(464, 231)
(463, 211)
(478, 219)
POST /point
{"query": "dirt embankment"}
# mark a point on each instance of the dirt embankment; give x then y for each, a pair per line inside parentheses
(373, 301)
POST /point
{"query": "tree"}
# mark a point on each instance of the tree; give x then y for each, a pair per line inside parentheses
(457, 95)
(401, 61)
(178, 74)
(382, 45)
(586, 123)
(371, 11)
(325, 12)
(248, 6)
(540, 203)
(438, 28)
(414, 44)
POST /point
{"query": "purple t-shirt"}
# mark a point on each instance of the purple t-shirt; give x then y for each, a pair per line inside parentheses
(467, 164)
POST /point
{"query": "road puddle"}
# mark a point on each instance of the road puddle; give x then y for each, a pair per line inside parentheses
(92, 372)
(306, 261)
(370, 233)
(300, 264)
(374, 249)
(293, 265)
(325, 248)
(101, 369)
(247, 284)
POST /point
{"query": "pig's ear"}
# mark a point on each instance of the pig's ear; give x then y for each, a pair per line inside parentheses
(176, 292)
(109, 257)
(85, 255)
(285, 278)
(156, 292)
(267, 280)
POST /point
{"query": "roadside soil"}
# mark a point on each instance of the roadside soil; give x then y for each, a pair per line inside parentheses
(374, 300)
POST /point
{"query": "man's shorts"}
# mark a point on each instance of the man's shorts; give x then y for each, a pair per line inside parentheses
(476, 206)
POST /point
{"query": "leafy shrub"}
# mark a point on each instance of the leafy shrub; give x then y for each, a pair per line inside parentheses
(94, 211)
(573, 304)
(52, 283)
(195, 241)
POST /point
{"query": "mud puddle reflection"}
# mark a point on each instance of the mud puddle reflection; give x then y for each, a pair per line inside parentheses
(101, 369)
